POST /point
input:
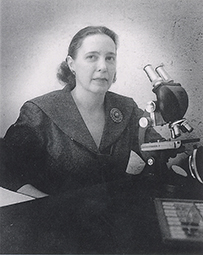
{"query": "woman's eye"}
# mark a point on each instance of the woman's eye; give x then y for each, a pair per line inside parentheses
(91, 57)
(110, 59)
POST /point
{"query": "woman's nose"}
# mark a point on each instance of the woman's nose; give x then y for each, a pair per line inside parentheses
(101, 65)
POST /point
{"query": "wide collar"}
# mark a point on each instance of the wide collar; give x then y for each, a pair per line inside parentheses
(60, 107)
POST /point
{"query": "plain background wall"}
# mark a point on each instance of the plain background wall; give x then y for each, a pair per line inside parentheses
(35, 35)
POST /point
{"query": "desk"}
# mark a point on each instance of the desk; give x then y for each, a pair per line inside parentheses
(113, 218)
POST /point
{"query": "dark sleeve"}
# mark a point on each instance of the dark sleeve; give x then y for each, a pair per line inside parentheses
(23, 147)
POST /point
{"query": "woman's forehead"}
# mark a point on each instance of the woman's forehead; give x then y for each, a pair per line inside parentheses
(98, 42)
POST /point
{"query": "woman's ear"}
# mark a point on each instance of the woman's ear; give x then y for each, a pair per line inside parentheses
(70, 63)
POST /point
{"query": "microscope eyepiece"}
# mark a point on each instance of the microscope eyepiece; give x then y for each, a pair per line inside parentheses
(152, 75)
(163, 74)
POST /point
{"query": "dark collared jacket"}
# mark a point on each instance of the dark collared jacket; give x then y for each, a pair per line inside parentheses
(51, 148)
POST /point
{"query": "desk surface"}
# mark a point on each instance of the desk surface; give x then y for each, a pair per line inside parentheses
(108, 218)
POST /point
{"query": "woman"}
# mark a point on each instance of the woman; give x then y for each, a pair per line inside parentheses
(81, 135)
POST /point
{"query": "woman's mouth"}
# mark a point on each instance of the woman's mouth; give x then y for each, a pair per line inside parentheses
(100, 79)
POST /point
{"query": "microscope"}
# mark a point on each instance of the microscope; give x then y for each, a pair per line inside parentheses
(168, 110)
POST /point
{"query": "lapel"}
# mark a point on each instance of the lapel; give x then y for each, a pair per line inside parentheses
(113, 129)
(60, 107)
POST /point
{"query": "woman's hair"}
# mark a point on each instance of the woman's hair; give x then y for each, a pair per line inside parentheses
(64, 73)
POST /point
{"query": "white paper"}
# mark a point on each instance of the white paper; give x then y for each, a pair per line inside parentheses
(8, 197)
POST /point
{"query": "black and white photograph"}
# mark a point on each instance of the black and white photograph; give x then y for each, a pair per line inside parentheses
(101, 127)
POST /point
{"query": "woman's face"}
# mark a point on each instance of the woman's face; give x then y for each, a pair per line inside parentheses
(95, 63)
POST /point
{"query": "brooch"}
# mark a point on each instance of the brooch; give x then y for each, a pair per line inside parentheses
(116, 115)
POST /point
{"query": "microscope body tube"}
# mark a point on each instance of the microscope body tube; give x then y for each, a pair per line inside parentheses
(172, 99)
